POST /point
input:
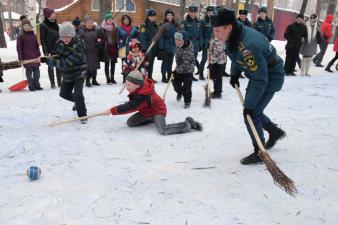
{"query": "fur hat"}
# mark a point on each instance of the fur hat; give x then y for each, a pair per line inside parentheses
(243, 12)
(151, 12)
(223, 17)
(193, 8)
(47, 12)
(210, 8)
(135, 77)
(262, 9)
(67, 29)
(169, 11)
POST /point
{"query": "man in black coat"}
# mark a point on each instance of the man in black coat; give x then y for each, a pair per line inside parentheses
(49, 34)
(296, 35)
(243, 17)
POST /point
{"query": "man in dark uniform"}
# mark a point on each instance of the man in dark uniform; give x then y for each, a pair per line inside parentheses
(250, 52)
(206, 33)
(243, 17)
(148, 29)
(264, 24)
(193, 26)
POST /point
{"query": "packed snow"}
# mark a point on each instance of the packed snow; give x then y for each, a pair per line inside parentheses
(106, 173)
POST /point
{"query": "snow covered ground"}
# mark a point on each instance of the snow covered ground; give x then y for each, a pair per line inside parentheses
(106, 173)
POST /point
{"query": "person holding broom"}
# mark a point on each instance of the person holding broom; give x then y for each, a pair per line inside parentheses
(149, 106)
(250, 52)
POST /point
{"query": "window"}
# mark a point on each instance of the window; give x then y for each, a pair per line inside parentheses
(174, 2)
(96, 5)
(125, 5)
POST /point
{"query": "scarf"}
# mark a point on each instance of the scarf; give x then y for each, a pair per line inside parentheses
(107, 27)
(127, 28)
(311, 31)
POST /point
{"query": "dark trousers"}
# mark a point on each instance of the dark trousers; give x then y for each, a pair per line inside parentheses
(319, 57)
(203, 60)
(259, 118)
(291, 60)
(51, 75)
(67, 93)
(197, 64)
(33, 76)
(182, 85)
(91, 75)
(216, 72)
(151, 66)
(110, 63)
(176, 128)
(332, 61)
(167, 64)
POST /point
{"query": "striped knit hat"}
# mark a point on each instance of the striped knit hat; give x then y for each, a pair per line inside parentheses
(135, 77)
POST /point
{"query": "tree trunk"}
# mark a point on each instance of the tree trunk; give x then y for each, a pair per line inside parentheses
(182, 9)
(331, 8)
(30, 12)
(2, 34)
(11, 33)
(105, 6)
(236, 8)
(319, 7)
(270, 8)
(246, 5)
(303, 8)
(252, 9)
(42, 5)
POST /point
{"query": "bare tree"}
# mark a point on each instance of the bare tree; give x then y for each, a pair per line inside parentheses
(30, 12)
(42, 5)
(2, 34)
(270, 8)
(303, 7)
(246, 5)
(319, 7)
(182, 9)
(331, 8)
(10, 21)
(252, 5)
(105, 6)
(236, 7)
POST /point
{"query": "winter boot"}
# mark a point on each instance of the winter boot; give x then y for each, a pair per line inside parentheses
(84, 121)
(113, 81)
(251, 159)
(303, 66)
(194, 125)
(307, 66)
(275, 134)
(74, 107)
(201, 77)
(52, 79)
(88, 84)
(94, 81)
(215, 95)
(109, 81)
(194, 79)
(164, 79)
(187, 105)
(178, 97)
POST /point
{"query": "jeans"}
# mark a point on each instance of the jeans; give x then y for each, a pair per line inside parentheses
(259, 118)
(176, 128)
(203, 60)
(67, 93)
(33, 76)
(167, 64)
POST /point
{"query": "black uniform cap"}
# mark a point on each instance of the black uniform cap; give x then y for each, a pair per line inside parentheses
(151, 12)
(243, 12)
(193, 8)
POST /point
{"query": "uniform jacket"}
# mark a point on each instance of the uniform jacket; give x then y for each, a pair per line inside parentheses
(206, 29)
(250, 52)
(265, 27)
(246, 22)
(144, 100)
(193, 27)
(147, 31)
(167, 41)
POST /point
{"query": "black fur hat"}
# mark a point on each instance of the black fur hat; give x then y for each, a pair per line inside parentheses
(151, 12)
(193, 8)
(210, 8)
(243, 12)
(223, 17)
(169, 11)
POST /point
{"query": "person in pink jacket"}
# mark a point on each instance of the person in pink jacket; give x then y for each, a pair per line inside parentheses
(335, 48)
(326, 38)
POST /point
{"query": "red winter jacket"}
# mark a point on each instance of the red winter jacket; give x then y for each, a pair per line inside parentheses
(335, 46)
(145, 100)
(327, 29)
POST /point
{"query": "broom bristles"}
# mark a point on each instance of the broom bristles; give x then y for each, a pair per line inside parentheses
(279, 178)
(207, 100)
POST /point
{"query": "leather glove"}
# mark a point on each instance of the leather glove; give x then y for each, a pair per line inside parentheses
(234, 81)
(247, 111)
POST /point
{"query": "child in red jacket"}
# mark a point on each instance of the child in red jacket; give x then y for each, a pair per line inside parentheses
(335, 48)
(151, 108)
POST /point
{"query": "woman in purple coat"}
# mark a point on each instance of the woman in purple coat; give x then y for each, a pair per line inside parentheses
(28, 48)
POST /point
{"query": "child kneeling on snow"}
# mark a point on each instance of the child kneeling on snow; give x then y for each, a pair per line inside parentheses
(185, 63)
(72, 63)
(151, 108)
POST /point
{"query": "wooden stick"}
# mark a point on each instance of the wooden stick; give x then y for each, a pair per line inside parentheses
(207, 101)
(73, 120)
(167, 87)
(279, 178)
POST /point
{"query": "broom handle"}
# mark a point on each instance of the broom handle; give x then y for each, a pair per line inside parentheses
(139, 63)
(34, 60)
(73, 120)
(251, 124)
(167, 87)
(208, 82)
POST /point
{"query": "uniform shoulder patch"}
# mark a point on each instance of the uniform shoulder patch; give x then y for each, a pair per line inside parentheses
(249, 60)
(142, 28)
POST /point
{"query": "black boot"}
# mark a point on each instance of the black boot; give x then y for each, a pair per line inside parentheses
(328, 69)
(194, 125)
(109, 81)
(112, 79)
(88, 84)
(178, 97)
(94, 81)
(215, 95)
(187, 105)
(275, 134)
(52, 79)
(164, 79)
(251, 159)
(194, 79)
(74, 107)
(201, 77)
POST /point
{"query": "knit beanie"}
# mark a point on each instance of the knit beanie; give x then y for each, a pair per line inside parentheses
(26, 21)
(47, 12)
(135, 77)
(76, 22)
(108, 16)
(67, 29)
